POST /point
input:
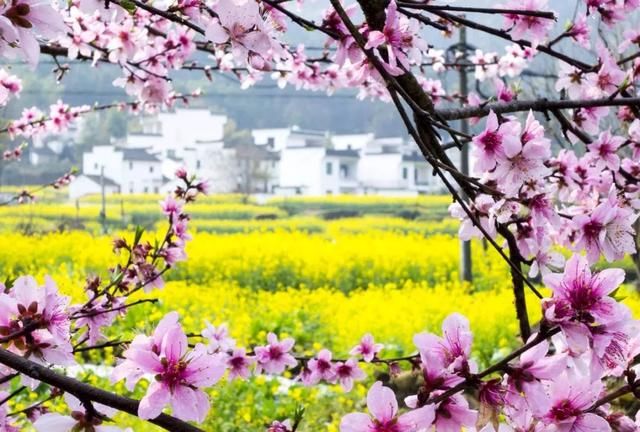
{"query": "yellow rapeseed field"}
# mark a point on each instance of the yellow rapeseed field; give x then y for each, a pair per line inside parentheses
(323, 281)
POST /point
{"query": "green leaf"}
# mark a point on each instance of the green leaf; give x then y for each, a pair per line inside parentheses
(617, 295)
(129, 6)
(138, 236)
(8, 283)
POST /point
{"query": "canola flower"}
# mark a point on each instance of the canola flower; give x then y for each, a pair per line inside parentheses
(269, 260)
(325, 286)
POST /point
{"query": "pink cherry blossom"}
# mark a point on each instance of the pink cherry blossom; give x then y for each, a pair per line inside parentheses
(78, 420)
(321, 368)
(489, 146)
(567, 403)
(454, 413)
(382, 404)
(274, 358)
(534, 365)
(481, 208)
(603, 151)
(280, 426)
(579, 31)
(581, 298)
(218, 337)
(524, 26)
(608, 230)
(242, 26)
(403, 45)
(171, 207)
(6, 423)
(347, 373)
(179, 375)
(453, 348)
(238, 364)
(33, 18)
(524, 158)
(367, 348)
(38, 307)
(100, 314)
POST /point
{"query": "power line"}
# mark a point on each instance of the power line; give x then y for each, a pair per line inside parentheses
(247, 94)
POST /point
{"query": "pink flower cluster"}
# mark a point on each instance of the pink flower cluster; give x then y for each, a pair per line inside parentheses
(587, 204)
(550, 385)
(179, 373)
(22, 21)
(35, 322)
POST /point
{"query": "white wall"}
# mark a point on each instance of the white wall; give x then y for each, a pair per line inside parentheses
(140, 177)
(215, 163)
(103, 156)
(132, 176)
(303, 167)
(178, 130)
(354, 141)
(153, 142)
(279, 135)
(184, 127)
(83, 185)
(381, 170)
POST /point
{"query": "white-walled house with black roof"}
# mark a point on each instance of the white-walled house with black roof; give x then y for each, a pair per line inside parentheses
(133, 170)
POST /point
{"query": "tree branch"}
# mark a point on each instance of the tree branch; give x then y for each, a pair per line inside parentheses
(505, 35)
(491, 11)
(87, 392)
(535, 105)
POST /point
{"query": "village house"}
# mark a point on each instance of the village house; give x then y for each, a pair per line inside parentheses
(273, 161)
(133, 170)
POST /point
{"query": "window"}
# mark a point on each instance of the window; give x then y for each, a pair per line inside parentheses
(405, 173)
(151, 169)
(329, 168)
(415, 175)
(329, 192)
(271, 142)
(130, 165)
(95, 165)
(344, 171)
(198, 164)
(146, 189)
(156, 189)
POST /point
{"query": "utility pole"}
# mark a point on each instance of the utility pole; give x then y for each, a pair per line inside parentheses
(103, 211)
(465, 246)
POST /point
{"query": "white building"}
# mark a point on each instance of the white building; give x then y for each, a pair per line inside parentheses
(395, 171)
(191, 138)
(313, 163)
(170, 133)
(133, 170)
(309, 166)
(285, 161)
(275, 138)
(352, 141)
(86, 184)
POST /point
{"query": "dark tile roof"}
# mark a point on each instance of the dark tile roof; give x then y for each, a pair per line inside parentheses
(413, 157)
(138, 154)
(256, 152)
(343, 153)
(96, 178)
(308, 132)
(315, 142)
